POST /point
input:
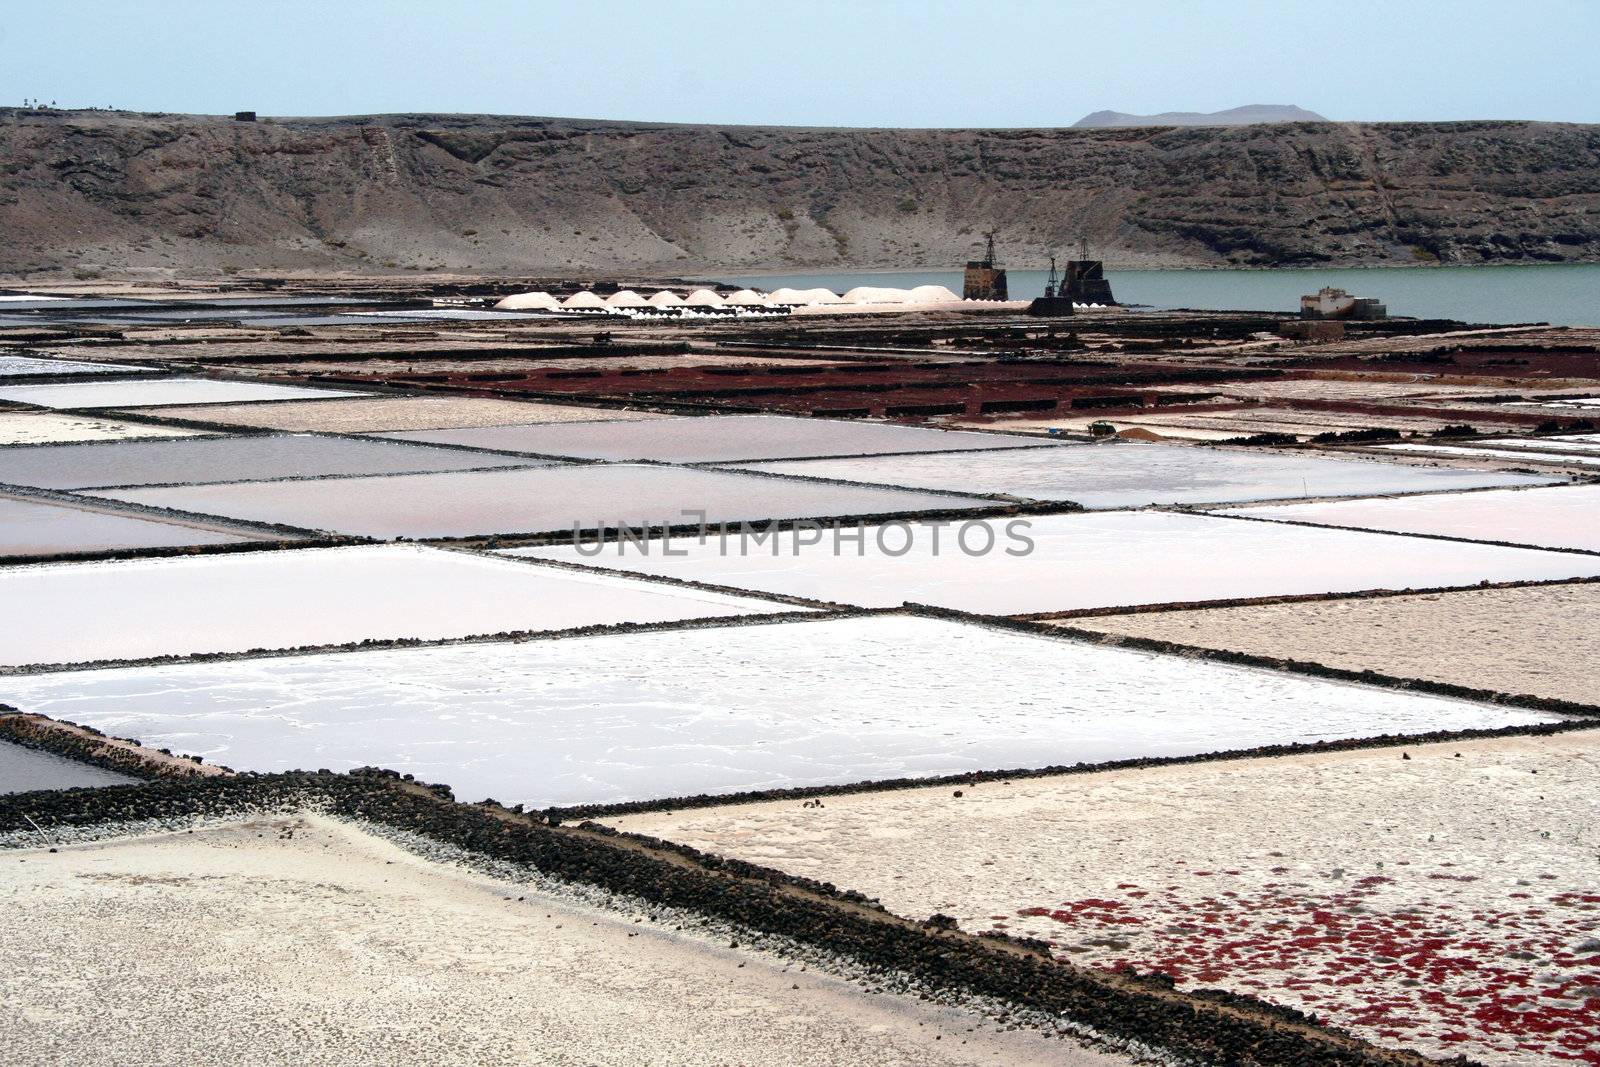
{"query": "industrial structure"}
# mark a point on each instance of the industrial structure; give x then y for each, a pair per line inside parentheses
(1055, 302)
(984, 280)
(1082, 282)
(1329, 303)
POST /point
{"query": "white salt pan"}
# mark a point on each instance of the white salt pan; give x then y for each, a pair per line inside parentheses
(17, 366)
(659, 714)
(162, 391)
(132, 609)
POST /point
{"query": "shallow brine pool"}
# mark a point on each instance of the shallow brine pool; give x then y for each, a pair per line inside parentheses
(30, 527)
(1565, 517)
(721, 439)
(1065, 562)
(537, 500)
(1125, 474)
(201, 460)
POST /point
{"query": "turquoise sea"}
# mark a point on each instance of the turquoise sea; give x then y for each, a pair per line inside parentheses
(1564, 294)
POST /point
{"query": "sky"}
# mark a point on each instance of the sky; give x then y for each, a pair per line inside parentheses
(810, 62)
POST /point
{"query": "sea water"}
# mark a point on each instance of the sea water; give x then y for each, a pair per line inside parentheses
(1566, 294)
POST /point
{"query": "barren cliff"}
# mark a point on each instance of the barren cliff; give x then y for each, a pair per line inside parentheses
(113, 192)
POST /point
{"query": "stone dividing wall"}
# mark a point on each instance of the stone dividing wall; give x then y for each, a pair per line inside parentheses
(1210, 1026)
(88, 745)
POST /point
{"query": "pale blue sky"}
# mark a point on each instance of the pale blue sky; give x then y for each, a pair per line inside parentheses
(828, 63)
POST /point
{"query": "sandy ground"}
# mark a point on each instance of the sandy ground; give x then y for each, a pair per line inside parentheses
(52, 427)
(306, 941)
(393, 413)
(1540, 640)
(1441, 902)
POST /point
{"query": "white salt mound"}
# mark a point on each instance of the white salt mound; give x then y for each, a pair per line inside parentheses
(525, 301)
(930, 294)
(666, 298)
(703, 298)
(746, 297)
(871, 294)
(626, 298)
(585, 299)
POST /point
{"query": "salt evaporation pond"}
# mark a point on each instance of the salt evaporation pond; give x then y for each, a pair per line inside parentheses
(136, 394)
(374, 414)
(1098, 560)
(56, 427)
(23, 770)
(241, 602)
(23, 366)
(715, 710)
(1578, 444)
(200, 460)
(1576, 458)
(1564, 517)
(535, 500)
(30, 527)
(719, 438)
(1123, 474)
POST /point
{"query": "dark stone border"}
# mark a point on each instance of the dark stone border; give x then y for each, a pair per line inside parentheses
(1212, 1026)
(85, 744)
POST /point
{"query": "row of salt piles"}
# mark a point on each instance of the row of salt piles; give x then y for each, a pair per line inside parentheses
(862, 294)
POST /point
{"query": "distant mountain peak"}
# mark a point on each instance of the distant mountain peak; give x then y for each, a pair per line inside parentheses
(1247, 115)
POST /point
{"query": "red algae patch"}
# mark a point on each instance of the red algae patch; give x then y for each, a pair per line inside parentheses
(1513, 973)
(1440, 898)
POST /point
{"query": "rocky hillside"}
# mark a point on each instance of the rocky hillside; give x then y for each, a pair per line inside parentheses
(1247, 115)
(117, 192)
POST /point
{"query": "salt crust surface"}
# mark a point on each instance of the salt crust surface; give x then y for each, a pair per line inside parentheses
(156, 392)
(132, 609)
(711, 710)
(17, 366)
(1575, 458)
(56, 427)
